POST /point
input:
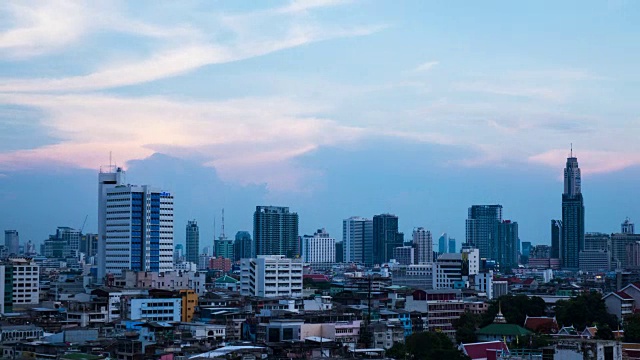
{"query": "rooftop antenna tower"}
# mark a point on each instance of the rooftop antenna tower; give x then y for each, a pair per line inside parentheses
(222, 235)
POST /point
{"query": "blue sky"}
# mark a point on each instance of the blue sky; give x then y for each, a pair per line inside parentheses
(334, 108)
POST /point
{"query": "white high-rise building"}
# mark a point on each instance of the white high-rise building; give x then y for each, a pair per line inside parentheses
(19, 283)
(135, 227)
(357, 240)
(108, 179)
(319, 248)
(271, 276)
(423, 244)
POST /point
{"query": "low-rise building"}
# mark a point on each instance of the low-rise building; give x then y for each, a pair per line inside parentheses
(155, 309)
(271, 276)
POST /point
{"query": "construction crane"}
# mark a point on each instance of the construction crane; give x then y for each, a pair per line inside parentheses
(84, 223)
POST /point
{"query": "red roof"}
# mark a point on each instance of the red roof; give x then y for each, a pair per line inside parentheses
(316, 277)
(528, 281)
(541, 324)
(624, 295)
(484, 350)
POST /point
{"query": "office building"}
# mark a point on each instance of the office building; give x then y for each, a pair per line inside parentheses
(357, 240)
(224, 248)
(453, 270)
(178, 254)
(452, 245)
(88, 244)
(597, 241)
(504, 246)
(19, 284)
(423, 244)
(339, 251)
(65, 243)
(417, 276)
(572, 238)
(442, 244)
(192, 241)
(242, 246)
(169, 309)
(275, 231)
(12, 241)
(556, 234)
(404, 255)
(385, 237)
(526, 252)
(619, 243)
(271, 276)
(319, 248)
(595, 260)
(627, 227)
(480, 227)
(135, 226)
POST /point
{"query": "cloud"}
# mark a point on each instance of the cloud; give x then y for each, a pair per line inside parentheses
(426, 66)
(296, 6)
(591, 161)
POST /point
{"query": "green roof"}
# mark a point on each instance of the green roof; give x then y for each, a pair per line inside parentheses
(79, 356)
(226, 279)
(503, 330)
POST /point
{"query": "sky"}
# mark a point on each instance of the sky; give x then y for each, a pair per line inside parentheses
(333, 108)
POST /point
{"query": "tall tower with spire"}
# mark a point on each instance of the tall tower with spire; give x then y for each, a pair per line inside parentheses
(572, 239)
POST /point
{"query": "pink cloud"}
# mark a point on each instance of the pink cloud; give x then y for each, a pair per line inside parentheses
(591, 162)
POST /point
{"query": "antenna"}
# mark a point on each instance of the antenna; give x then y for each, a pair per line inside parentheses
(571, 149)
(222, 236)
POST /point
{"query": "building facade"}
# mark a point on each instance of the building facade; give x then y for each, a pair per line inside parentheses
(442, 243)
(385, 237)
(192, 241)
(556, 235)
(480, 227)
(504, 246)
(357, 240)
(19, 283)
(12, 241)
(156, 309)
(275, 231)
(627, 227)
(224, 248)
(242, 246)
(135, 227)
(572, 238)
(271, 276)
(404, 255)
(319, 248)
(423, 244)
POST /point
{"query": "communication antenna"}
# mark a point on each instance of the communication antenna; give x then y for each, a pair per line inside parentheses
(222, 235)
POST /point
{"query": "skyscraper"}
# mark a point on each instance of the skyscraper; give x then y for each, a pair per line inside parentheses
(480, 225)
(357, 240)
(319, 248)
(192, 241)
(572, 238)
(135, 225)
(423, 244)
(627, 227)
(385, 237)
(556, 235)
(11, 241)
(242, 246)
(505, 250)
(442, 244)
(275, 231)
(452, 245)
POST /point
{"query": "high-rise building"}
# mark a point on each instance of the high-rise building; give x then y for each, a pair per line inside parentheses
(423, 244)
(135, 226)
(339, 251)
(480, 225)
(19, 283)
(404, 255)
(597, 241)
(385, 237)
(178, 254)
(107, 179)
(275, 231)
(442, 244)
(526, 251)
(619, 243)
(271, 276)
(242, 246)
(627, 227)
(224, 248)
(357, 240)
(64, 244)
(505, 250)
(452, 245)
(12, 241)
(556, 235)
(192, 241)
(89, 244)
(319, 248)
(572, 239)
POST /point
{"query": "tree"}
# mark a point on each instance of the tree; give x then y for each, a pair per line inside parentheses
(397, 351)
(604, 333)
(534, 341)
(432, 346)
(515, 309)
(466, 327)
(584, 310)
(632, 329)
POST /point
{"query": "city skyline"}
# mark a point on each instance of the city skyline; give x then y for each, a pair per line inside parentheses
(311, 110)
